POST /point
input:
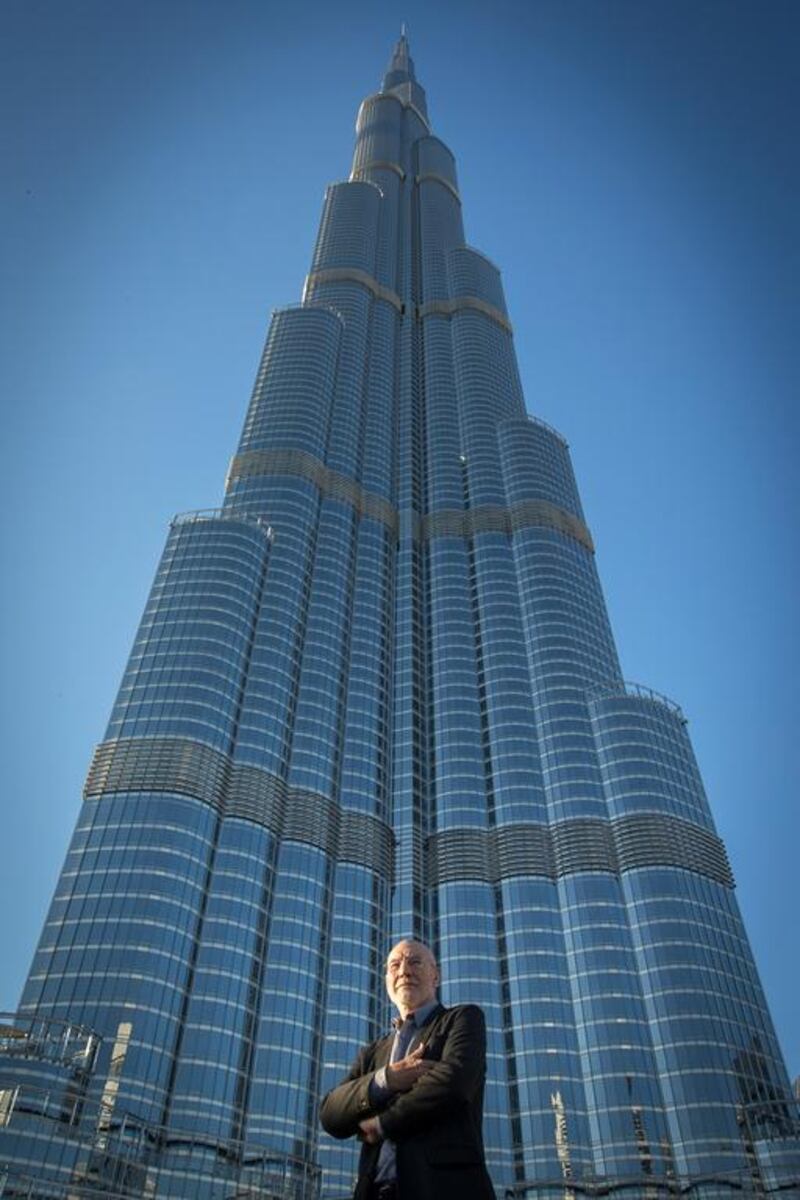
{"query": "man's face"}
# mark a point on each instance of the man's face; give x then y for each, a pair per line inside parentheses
(411, 976)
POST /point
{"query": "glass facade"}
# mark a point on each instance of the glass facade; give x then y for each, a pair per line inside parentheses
(376, 694)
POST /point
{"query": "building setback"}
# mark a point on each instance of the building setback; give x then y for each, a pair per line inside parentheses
(376, 694)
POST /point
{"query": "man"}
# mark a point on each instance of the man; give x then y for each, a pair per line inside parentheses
(415, 1098)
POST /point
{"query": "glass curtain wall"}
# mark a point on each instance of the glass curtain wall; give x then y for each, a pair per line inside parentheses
(376, 694)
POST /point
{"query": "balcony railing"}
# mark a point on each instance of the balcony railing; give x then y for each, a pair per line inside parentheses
(96, 1150)
(47, 1040)
(626, 688)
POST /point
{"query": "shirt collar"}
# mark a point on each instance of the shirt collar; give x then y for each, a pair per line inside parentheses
(420, 1016)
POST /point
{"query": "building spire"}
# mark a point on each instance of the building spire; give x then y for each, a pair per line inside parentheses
(400, 78)
(401, 61)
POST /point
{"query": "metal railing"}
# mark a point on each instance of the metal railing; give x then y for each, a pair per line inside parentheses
(199, 515)
(550, 429)
(638, 1187)
(627, 688)
(113, 1153)
(48, 1040)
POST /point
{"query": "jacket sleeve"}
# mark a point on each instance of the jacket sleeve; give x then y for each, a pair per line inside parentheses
(346, 1105)
(450, 1084)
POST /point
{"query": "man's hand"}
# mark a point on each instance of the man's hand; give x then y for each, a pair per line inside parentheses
(371, 1130)
(402, 1075)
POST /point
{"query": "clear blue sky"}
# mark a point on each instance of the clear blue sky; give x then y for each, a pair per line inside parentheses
(632, 167)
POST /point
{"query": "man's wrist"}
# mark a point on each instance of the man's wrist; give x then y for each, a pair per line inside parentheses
(379, 1089)
(371, 1130)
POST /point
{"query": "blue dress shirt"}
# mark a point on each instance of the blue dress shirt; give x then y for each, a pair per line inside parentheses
(386, 1170)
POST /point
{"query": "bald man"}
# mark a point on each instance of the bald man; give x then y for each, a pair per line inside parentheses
(415, 1098)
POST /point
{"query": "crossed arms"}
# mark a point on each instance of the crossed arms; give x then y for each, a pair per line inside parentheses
(424, 1088)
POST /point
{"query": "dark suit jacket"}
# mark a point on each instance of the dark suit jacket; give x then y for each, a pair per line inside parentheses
(436, 1126)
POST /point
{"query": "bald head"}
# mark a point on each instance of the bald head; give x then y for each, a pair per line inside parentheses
(411, 976)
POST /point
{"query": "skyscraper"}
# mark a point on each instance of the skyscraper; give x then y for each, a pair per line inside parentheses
(376, 693)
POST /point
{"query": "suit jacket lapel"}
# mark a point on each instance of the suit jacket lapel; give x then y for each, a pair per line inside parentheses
(432, 1016)
(383, 1050)
(429, 1026)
